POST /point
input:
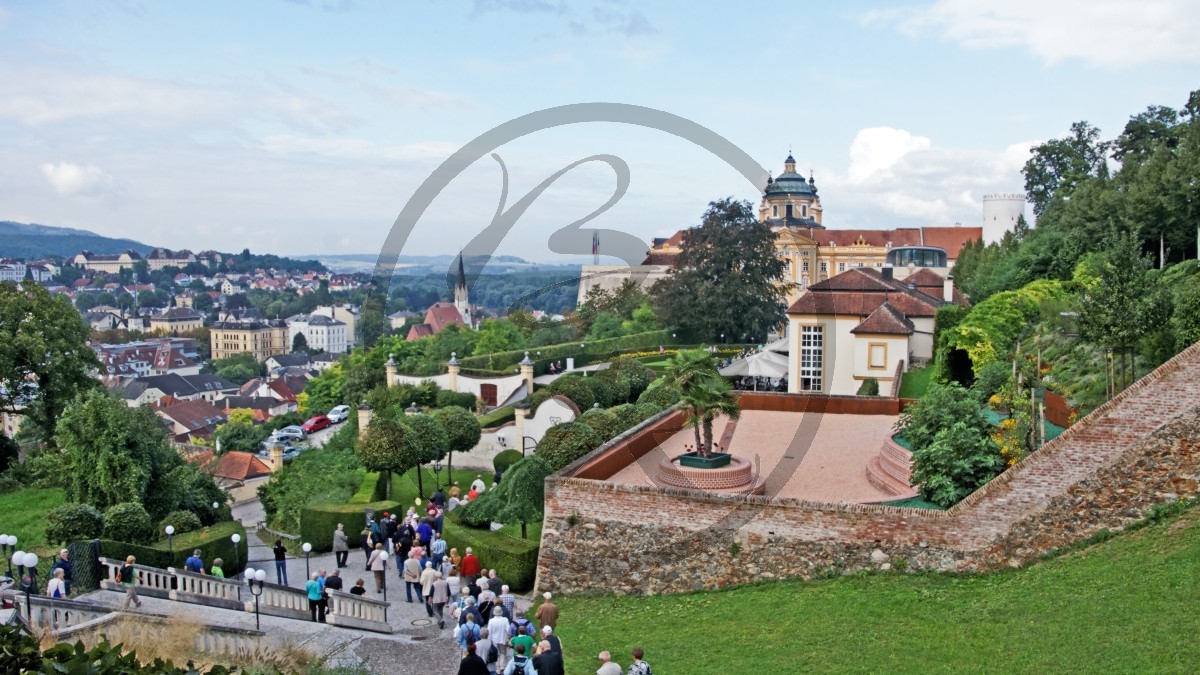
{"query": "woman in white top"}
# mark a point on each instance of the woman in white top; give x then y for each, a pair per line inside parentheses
(453, 579)
(57, 588)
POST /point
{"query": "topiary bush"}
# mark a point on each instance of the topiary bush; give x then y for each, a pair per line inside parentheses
(505, 459)
(628, 416)
(71, 522)
(129, 522)
(182, 521)
(602, 392)
(869, 387)
(480, 512)
(662, 396)
(565, 443)
(574, 388)
(604, 422)
(448, 399)
(647, 410)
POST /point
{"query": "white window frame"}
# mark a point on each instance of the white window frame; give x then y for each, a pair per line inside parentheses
(812, 358)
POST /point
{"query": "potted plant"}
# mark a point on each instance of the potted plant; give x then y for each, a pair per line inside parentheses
(705, 395)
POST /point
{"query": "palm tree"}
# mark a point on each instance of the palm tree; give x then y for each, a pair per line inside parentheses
(704, 393)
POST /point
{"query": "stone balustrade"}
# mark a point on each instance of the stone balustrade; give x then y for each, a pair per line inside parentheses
(207, 590)
(151, 582)
(276, 600)
(356, 611)
(58, 615)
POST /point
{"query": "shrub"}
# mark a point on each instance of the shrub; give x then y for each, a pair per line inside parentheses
(505, 459)
(990, 380)
(647, 410)
(480, 512)
(869, 387)
(447, 399)
(213, 542)
(514, 559)
(182, 521)
(662, 396)
(318, 522)
(629, 378)
(603, 422)
(328, 475)
(128, 522)
(538, 397)
(566, 443)
(70, 522)
(574, 388)
(629, 416)
(602, 392)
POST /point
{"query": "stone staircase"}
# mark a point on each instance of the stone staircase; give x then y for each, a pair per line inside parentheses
(891, 470)
(345, 610)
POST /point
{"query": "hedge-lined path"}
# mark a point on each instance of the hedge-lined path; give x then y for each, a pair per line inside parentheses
(548, 378)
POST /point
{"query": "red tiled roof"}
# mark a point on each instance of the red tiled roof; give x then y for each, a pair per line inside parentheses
(861, 290)
(281, 388)
(931, 283)
(234, 465)
(194, 415)
(885, 320)
(442, 314)
(418, 331)
(653, 258)
(952, 239)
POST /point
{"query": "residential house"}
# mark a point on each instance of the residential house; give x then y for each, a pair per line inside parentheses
(281, 361)
(320, 332)
(863, 323)
(150, 389)
(188, 421)
(239, 473)
(106, 320)
(262, 407)
(347, 314)
(398, 319)
(260, 338)
(323, 361)
(12, 270)
(176, 320)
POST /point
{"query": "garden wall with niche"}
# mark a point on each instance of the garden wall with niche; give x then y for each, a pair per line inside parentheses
(1139, 450)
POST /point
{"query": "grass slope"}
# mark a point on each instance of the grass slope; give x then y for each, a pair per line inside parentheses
(915, 382)
(1125, 605)
(23, 513)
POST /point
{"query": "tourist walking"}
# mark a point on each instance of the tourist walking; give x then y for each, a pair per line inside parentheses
(194, 563)
(638, 667)
(364, 542)
(128, 575)
(316, 598)
(378, 567)
(478, 485)
(428, 576)
(470, 567)
(607, 665)
(468, 632)
(412, 577)
(549, 636)
(547, 614)
(333, 582)
(547, 661)
(486, 649)
(439, 595)
(64, 563)
(520, 664)
(280, 563)
(341, 547)
(359, 588)
(508, 601)
(472, 664)
(498, 630)
(57, 588)
(438, 549)
(216, 570)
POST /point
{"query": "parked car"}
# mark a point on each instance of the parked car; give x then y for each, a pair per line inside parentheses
(339, 414)
(291, 433)
(289, 450)
(316, 424)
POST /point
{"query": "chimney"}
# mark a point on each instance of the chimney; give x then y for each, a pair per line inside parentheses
(887, 273)
(948, 288)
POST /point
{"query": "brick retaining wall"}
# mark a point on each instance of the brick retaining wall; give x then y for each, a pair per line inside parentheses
(1140, 449)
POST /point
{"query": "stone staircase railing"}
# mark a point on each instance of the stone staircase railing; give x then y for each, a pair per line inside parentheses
(60, 615)
(151, 582)
(203, 589)
(346, 610)
(355, 611)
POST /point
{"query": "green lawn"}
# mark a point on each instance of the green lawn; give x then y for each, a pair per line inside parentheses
(915, 382)
(23, 513)
(1126, 605)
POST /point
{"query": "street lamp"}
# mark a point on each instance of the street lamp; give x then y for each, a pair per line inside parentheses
(8, 541)
(236, 538)
(437, 474)
(170, 530)
(252, 576)
(384, 557)
(307, 548)
(18, 559)
(29, 580)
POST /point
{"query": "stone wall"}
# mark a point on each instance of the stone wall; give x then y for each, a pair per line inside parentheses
(1136, 451)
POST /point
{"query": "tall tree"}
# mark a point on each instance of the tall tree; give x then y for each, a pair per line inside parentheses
(45, 361)
(462, 431)
(727, 280)
(1059, 165)
(428, 442)
(523, 493)
(705, 394)
(386, 447)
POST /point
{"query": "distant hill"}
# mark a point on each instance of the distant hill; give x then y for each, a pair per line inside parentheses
(417, 265)
(21, 240)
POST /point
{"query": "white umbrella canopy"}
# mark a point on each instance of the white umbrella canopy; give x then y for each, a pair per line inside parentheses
(779, 346)
(762, 364)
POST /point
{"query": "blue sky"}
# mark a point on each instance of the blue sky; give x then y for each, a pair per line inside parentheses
(304, 127)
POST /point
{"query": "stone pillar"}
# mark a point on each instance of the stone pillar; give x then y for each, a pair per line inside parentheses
(520, 411)
(364, 419)
(527, 373)
(276, 452)
(452, 368)
(391, 370)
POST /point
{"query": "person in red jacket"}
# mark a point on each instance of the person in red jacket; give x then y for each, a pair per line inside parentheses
(470, 567)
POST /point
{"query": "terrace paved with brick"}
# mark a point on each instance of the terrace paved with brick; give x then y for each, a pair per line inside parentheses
(831, 467)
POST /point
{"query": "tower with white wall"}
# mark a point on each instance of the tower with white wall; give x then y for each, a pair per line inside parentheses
(1000, 213)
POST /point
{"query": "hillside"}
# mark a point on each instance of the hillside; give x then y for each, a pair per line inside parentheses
(1123, 605)
(22, 240)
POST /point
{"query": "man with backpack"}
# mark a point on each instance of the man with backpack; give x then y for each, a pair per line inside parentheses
(520, 664)
(128, 575)
(487, 650)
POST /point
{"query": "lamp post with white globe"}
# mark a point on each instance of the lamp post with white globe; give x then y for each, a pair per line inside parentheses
(170, 530)
(235, 538)
(18, 559)
(254, 577)
(28, 580)
(307, 548)
(7, 542)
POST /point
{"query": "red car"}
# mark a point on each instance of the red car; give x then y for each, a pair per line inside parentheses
(316, 424)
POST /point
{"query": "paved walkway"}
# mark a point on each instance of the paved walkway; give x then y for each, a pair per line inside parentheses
(832, 468)
(548, 378)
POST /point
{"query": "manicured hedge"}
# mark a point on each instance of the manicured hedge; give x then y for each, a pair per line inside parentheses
(514, 559)
(318, 522)
(497, 417)
(373, 489)
(213, 542)
(592, 350)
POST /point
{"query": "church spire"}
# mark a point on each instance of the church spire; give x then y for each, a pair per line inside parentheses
(789, 164)
(462, 301)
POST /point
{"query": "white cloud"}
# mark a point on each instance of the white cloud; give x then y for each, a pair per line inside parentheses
(355, 148)
(1111, 33)
(72, 180)
(898, 178)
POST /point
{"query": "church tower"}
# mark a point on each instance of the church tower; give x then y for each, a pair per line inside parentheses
(790, 200)
(462, 301)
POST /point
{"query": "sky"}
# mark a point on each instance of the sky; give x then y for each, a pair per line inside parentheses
(305, 126)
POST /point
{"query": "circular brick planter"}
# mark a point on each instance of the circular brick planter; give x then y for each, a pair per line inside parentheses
(737, 476)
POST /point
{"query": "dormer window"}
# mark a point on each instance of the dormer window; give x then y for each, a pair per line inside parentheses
(774, 211)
